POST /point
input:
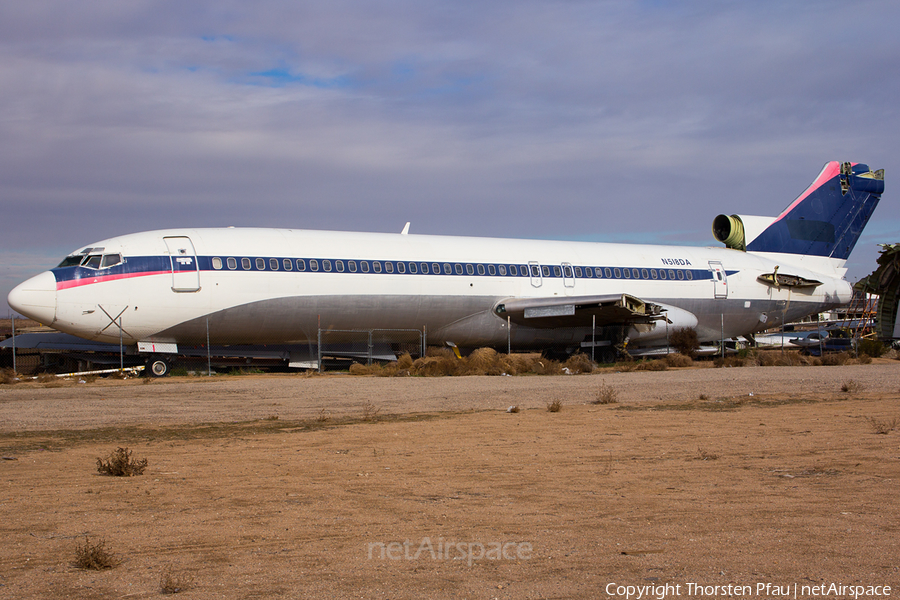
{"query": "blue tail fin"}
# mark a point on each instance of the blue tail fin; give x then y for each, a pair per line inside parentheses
(828, 218)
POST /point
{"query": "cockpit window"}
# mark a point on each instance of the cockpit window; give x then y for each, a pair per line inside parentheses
(71, 261)
(92, 261)
(110, 260)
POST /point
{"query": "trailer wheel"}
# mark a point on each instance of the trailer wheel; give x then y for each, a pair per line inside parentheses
(158, 367)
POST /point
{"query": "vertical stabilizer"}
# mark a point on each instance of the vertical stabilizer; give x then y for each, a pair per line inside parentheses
(828, 218)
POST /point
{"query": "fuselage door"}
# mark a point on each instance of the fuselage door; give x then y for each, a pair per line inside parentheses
(534, 269)
(185, 270)
(720, 281)
(568, 275)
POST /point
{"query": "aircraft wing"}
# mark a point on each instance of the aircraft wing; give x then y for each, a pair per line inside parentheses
(578, 311)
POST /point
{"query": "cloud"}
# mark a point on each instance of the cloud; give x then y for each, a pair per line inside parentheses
(567, 119)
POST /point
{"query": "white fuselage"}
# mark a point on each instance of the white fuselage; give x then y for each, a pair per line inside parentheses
(235, 285)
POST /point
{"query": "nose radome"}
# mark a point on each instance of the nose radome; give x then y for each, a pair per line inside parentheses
(36, 298)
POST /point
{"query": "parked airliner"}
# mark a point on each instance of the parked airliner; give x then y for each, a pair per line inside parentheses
(159, 289)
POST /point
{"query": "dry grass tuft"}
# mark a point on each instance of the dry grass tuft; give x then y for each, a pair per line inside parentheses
(94, 556)
(851, 386)
(120, 464)
(606, 394)
(578, 363)
(8, 376)
(679, 360)
(706, 455)
(882, 426)
(835, 359)
(370, 411)
(554, 406)
(175, 583)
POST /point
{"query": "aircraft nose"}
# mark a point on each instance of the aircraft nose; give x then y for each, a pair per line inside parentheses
(36, 298)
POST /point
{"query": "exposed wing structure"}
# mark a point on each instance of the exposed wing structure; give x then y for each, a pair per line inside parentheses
(578, 311)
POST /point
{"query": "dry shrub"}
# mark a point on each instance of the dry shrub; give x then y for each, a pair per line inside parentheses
(373, 369)
(777, 358)
(679, 360)
(606, 394)
(685, 341)
(546, 366)
(554, 406)
(729, 361)
(120, 464)
(579, 363)
(94, 556)
(871, 348)
(175, 583)
(370, 411)
(851, 386)
(484, 361)
(835, 359)
(652, 365)
(882, 426)
(8, 376)
(438, 366)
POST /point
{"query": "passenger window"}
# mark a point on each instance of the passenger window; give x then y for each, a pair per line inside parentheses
(313, 264)
(436, 268)
(217, 263)
(689, 275)
(671, 274)
(480, 269)
(636, 273)
(424, 268)
(645, 274)
(513, 271)
(458, 269)
(492, 270)
(301, 264)
(589, 272)
(352, 265)
(339, 264)
(535, 271)
(447, 269)
(288, 265)
(662, 273)
(608, 272)
(627, 273)
(326, 265)
(470, 269)
(546, 271)
(245, 264)
(388, 267)
(231, 262)
(364, 266)
(618, 272)
(577, 271)
(273, 264)
(557, 271)
(111, 260)
(413, 269)
(653, 273)
(502, 269)
(680, 274)
(401, 267)
(260, 264)
(376, 266)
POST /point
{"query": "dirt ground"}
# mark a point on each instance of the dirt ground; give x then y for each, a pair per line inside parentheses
(285, 486)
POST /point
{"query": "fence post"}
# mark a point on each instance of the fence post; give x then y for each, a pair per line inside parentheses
(121, 347)
(319, 349)
(424, 340)
(593, 335)
(369, 349)
(13, 323)
(508, 337)
(208, 355)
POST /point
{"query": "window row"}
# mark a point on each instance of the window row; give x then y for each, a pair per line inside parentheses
(530, 270)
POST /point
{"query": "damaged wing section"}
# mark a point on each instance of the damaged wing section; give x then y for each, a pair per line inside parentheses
(578, 311)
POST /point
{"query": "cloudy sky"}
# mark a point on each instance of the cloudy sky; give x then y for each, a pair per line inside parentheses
(605, 121)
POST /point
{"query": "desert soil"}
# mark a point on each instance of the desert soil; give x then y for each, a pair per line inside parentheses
(285, 486)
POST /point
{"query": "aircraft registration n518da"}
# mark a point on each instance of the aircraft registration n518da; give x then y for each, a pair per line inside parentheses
(265, 286)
